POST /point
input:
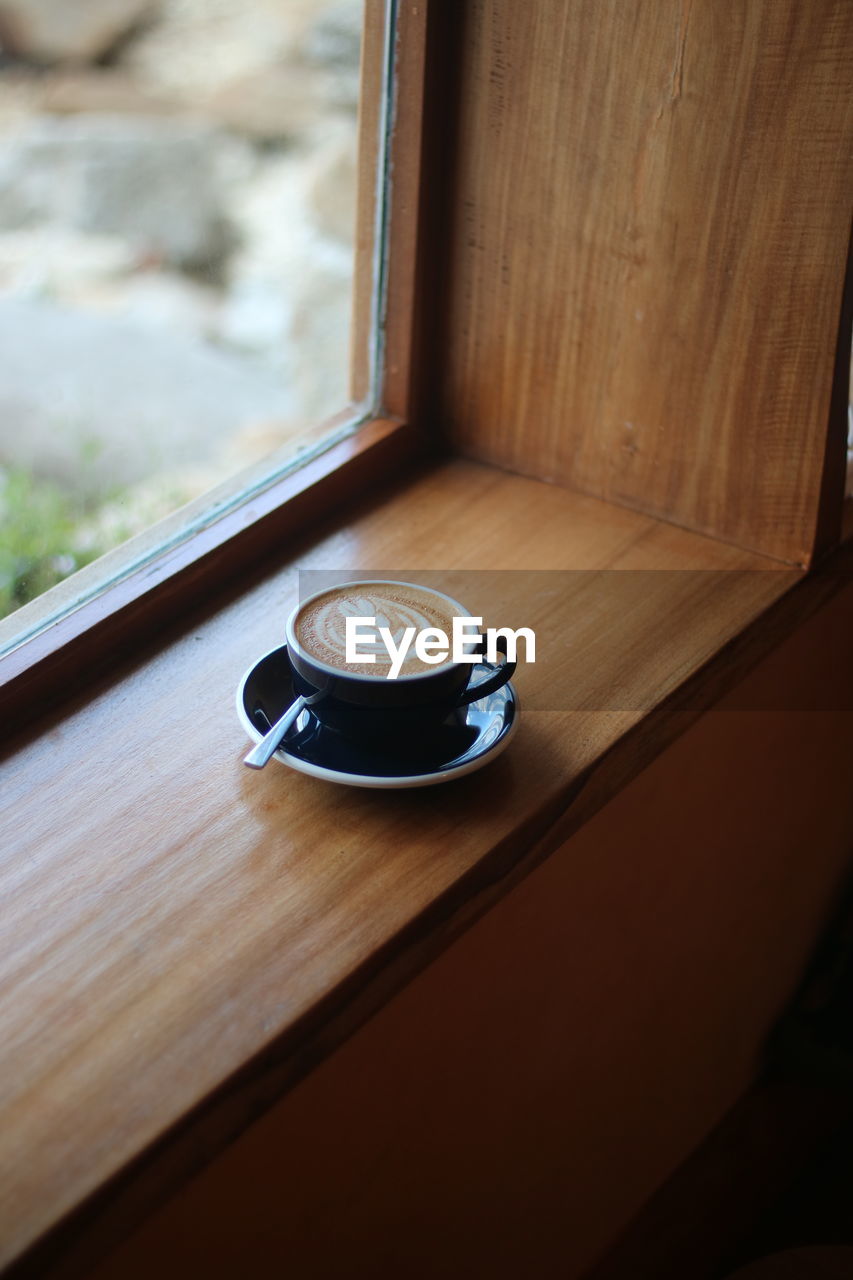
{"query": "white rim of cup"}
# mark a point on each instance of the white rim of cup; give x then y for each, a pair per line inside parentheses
(290, 633)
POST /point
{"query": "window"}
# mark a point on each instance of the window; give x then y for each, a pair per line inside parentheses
(179, 314)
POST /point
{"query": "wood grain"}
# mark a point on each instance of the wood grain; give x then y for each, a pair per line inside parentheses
(389, 222)
(368, 187)
(506, 1113)
(183, 939)
(403, 209)
(647, 239)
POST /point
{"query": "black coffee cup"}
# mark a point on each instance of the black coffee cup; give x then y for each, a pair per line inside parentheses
(369, 706)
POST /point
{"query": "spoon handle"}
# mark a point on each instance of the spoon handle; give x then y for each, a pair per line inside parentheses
(268, 745)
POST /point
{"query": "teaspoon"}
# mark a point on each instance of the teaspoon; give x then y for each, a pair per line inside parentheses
(262, 751)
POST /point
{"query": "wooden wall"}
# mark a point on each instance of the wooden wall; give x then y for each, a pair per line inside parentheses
(646, 228)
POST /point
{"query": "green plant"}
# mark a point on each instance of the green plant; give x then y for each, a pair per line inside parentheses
(38, 537)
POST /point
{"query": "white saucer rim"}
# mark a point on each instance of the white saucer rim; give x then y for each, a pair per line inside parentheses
(369, 780)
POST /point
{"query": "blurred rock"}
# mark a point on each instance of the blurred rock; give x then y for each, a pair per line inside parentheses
(100, 92)
(330, 187)
(274, 104)
(286, 254)
(334, 43)
(256, 316)
(56, 262)
(197, 46)
(100, 273)
(95, 403)
(334, 39)
(19, 90)
(319, 336)
(272, 50)
(161, 300)
(47, 31)
(159, 184)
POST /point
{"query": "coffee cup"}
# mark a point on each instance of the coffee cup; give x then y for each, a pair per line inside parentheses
(361, 699)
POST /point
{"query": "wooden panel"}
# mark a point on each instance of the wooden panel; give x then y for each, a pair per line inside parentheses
(185, 938)
(649, 226)
(370, 143)
(386, 282)
(506, 1113)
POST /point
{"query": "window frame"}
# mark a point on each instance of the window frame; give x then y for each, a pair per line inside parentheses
(369, 440)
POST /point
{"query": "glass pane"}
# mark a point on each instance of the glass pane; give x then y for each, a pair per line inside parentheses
(177, 204)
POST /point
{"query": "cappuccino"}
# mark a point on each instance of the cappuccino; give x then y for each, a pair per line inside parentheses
(320, 625)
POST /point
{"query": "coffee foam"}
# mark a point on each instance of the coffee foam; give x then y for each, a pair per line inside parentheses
(320, 624)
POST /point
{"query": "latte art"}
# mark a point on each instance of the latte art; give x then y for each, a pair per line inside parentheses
(320, 625)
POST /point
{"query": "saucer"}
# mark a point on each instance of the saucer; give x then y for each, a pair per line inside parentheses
(467, 740)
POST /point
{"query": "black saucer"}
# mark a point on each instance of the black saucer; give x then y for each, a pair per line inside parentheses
(467, 740)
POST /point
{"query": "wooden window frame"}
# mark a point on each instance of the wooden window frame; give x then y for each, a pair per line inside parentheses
(68, 652)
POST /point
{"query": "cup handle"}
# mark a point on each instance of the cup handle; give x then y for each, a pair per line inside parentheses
(498, 678)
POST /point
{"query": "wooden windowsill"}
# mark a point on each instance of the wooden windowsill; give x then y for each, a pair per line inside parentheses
(188, 938)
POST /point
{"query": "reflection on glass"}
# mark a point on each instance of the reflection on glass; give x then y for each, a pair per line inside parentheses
(177, 191)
